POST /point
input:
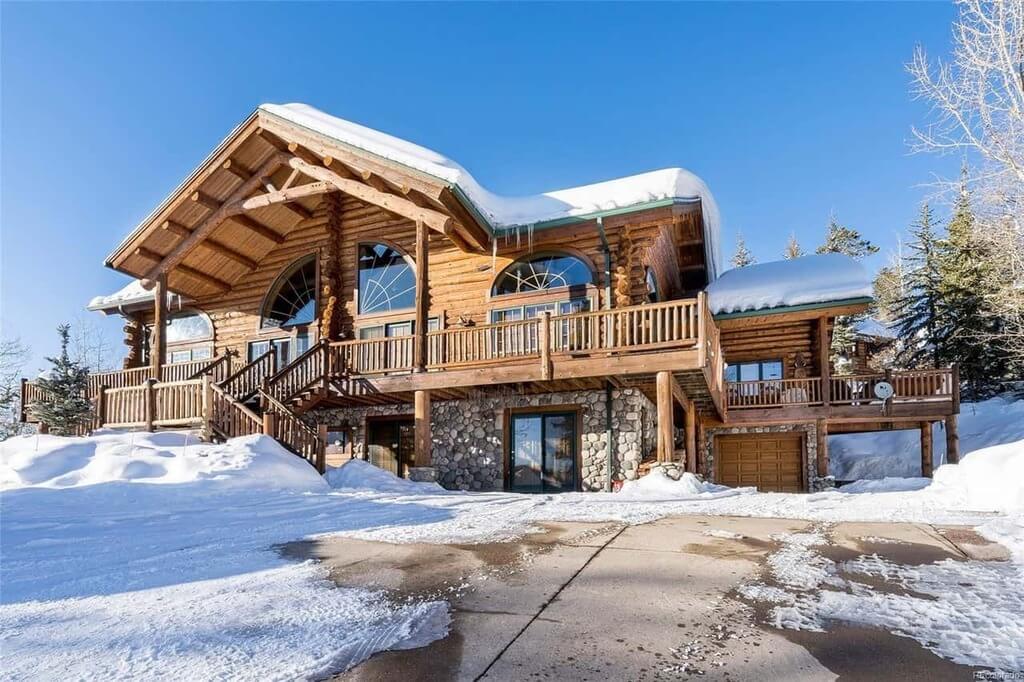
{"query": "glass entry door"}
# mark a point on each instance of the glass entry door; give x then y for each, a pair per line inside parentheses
(390, 444)
(543, 452)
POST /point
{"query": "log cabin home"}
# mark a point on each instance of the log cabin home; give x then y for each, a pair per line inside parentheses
(352, 294)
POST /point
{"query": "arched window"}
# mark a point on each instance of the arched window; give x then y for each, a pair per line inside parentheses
(189, 326)
(386, 280)
(538, 273)
(652, 286)
(292, 300)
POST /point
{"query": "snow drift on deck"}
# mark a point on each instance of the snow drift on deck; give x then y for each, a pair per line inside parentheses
(810, 279)
(503, 212)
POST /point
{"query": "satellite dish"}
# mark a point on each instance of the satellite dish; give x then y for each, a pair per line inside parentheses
(884, 390)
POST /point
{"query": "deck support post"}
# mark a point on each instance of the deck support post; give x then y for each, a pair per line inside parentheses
(824, 366)
(926, 449)
(421, 416)
(691, 437)
(544, 341)
(821, 429)
(321, 453)
(420, 351)
(952, 440)
(158, 340)
(666, 429)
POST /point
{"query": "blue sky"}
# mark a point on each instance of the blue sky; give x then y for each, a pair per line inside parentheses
(787, 111)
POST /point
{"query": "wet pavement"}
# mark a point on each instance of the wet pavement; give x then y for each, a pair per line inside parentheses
(649, 602)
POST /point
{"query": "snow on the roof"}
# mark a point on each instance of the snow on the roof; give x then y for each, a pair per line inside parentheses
(508, 212)
(872, 326)
(129, 294)
(810, 279)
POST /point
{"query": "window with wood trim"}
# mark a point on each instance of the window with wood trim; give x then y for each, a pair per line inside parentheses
(387, 281)
(542, 272)
(292, 299)
(760, 370)
(188, 335)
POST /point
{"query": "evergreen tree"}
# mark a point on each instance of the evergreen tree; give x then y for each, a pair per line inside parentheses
(842, 239)
(66, 407)
(968, 324)
(845, 240)
(743, 257)
(888, 291)
(917, 312)
(793, 249)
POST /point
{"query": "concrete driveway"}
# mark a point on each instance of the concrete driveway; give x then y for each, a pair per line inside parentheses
(649, 602)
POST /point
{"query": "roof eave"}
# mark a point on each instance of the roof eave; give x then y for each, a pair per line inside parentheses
(780, 310)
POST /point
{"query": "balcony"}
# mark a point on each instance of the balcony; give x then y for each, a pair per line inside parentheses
(916, 392)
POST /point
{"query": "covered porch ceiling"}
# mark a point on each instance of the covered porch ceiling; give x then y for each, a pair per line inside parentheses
(265, 179)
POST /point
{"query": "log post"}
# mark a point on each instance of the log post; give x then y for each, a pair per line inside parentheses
(691, 437)
(422, 297)
(666, 429)
(956, 388)
(149, 403)
(822, 446)
(158, 340)
(421, 416)
(926, 449)
(101, 405)
(702, 344)
(207, 406)
(952, 440)
(321, 452)
(22, 402)
(544, 341)
(269, 424)
(824, 367)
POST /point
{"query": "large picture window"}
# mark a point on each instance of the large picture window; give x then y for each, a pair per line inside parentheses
(292, 301)
(763, 370)
(386, 280)
(539, 273)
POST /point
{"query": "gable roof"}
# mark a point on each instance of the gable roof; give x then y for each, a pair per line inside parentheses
(808, 280)
(218, 209)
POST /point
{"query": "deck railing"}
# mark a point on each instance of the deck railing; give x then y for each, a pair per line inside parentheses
(373, 356)
(853, 389)
(292, 432)
(246, 380)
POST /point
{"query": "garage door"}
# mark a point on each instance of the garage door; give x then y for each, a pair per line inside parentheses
(770, 461)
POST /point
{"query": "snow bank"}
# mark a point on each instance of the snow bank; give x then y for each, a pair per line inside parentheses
(170, 457)
(356, 474)
(854, 456)
(991, 479)
(657, 485)
(507, 212)
(809, 279)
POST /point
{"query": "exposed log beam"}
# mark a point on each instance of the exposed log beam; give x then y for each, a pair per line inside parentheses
(237, 169)
(249, 223)
(212, 244)
(435, 220)
(473, 232)
(205, 200)
(210, 223)
(283, 196)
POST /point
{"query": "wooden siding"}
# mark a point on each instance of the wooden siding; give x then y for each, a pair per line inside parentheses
(460, 282)
(780, 341)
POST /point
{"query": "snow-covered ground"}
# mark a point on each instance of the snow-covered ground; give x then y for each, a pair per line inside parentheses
(151, 555)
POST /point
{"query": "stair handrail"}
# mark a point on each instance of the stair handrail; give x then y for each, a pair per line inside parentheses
(255, 420)
(322, 347)
(281, 412)
(231, 378)
(210, 367)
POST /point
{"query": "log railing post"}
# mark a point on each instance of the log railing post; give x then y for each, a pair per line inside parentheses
(158, 340)
(101, 405)
(207, 401)
(269, 424)
(149, 403)
(702, 341)
(23, 402)
(544, 340)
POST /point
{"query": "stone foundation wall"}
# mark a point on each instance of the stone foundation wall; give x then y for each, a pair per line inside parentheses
(814, 482)
(468, 448)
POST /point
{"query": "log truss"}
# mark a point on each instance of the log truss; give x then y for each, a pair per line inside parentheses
(237, 196)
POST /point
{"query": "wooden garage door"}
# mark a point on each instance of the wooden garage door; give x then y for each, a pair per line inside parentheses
(770, 461)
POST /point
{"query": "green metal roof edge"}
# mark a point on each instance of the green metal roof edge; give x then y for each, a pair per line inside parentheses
(586, 217)
(792, 308)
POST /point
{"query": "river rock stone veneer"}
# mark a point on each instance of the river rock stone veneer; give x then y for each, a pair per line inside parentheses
(468, 448)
